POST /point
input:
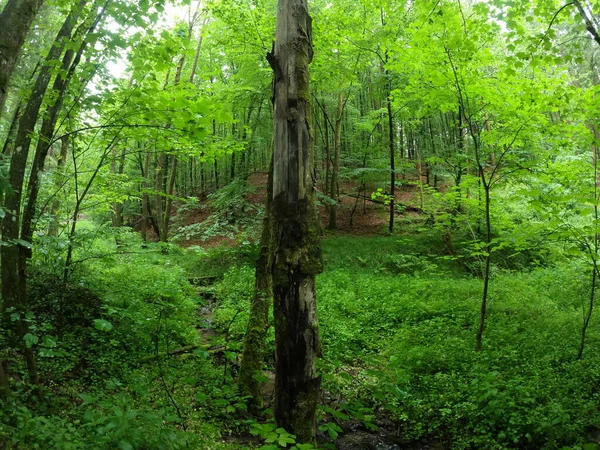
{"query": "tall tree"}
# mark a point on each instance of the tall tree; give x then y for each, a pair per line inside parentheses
(15, 20)
(295, 251)
(14, 255)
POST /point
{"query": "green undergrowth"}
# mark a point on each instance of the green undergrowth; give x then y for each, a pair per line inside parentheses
(400, 342)
(421, 253)
(110, 378)
(138, 363)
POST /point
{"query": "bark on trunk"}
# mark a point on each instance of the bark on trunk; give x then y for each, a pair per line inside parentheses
(64, 149)
(337, 145)
(295, 245)
(170, 191)
(145, 197)
(15, 20)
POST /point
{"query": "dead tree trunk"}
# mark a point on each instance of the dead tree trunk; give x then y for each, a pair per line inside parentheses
(295, 245)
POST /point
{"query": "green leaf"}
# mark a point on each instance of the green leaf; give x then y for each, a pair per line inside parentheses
(124, 445)
(87, 399)
(49, 341)
(103, 325)
(30, 340)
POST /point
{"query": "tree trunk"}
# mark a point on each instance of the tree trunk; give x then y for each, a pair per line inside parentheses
(392, 160)
(589, 24)
(12, 131)
(337, 145)
(594, 250)
(170, 191)
(62, 159)
(488, 260)
(145, 197)
(117, 207)
(327, 151)
(158, 187)
(295, 245)
(15, 20)
(197, 52)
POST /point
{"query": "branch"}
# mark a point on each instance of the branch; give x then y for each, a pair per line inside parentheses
(588, 23)
(556, 15)
(121, 126)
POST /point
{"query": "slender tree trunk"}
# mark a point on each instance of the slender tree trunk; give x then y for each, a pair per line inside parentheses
(158, 187)
(392, 160)
(15, 20)
(197, 53)
(170, 191)
(117, 168)
(62, 160)
(79, 198)
(594, 256)
(488, 259)
(145, 197)
(12, 131)
(295, 245)
(588, 313)
(232, 168)
(327, 152)
(337, 144)
(216, 168)
(4, 386)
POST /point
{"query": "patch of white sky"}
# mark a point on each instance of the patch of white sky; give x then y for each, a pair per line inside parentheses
(171, 15)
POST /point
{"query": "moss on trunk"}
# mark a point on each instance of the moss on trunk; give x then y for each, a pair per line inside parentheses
(295, 257)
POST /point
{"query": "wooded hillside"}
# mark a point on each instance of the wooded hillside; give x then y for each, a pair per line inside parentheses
(237, 224)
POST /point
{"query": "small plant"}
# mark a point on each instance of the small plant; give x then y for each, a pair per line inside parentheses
(380, 195)
(332, 429)
(276, 438)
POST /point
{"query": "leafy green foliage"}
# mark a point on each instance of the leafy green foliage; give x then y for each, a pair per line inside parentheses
(138, 343)
(276, 438)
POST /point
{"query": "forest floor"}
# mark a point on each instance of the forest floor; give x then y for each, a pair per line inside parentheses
(155, 334)
(358, 216)
(357, 213)
(413, 288)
